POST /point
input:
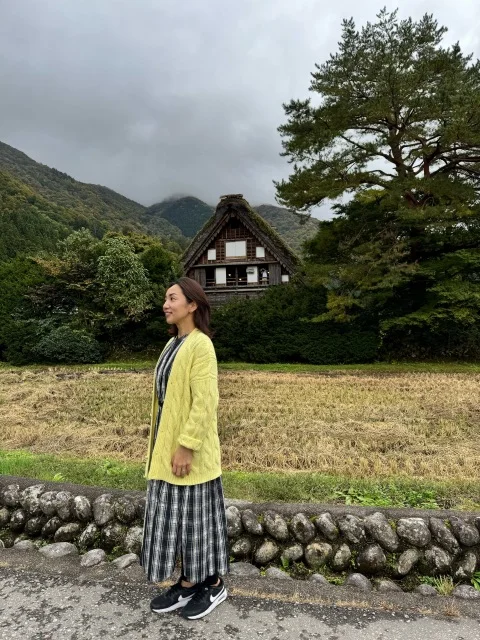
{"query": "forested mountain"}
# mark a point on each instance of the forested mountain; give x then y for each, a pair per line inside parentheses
(30, 223)
(189, 214)
(101, 207)
(41, 205)
(293, 229)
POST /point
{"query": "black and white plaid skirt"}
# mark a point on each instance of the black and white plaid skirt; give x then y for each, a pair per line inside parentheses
(186, 522)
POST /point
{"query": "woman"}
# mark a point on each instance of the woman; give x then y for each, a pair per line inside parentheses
(185, 512)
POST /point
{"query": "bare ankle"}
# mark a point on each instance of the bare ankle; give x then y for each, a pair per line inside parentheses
(187, 584)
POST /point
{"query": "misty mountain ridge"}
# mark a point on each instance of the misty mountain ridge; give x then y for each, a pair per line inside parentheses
(40, 204)
(189, 214)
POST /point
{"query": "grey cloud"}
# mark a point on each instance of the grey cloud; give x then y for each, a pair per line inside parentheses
(158, 97)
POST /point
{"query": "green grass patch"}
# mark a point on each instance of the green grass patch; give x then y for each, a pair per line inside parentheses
(256, 487)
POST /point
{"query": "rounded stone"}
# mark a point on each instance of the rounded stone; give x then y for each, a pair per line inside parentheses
(326, 526)
(267, 551)
(381, 531)
(466, 592)
(51, 526)
(302, 529)
(372, 559)
(319, 579)
(251, 523)
(385, 585)
(293, 553)
(125, 561)
(67, 532)
(275, 525)
(352, 528)
(443, 536)
(59, 550)
(341, 559)
(4, 517)
(113, 535)
(48, 503)
(466, 534)
(241, 547)
(89, 536)
(414, 531)
(64, 502)
(34, 526)
(7, 537)
(465, 566)
(140, 506)
(18, 519)
(244, 570)
(30, 499)
(124, 510)
(103, 510)
(275, 573)
(133, 540)
(317, 554)
(425, 590)
(234, 522)
(438, 560)
(407, 561)
(25, 545)
(93, 557)
(359, 581)
(82, 509)
(10, 495)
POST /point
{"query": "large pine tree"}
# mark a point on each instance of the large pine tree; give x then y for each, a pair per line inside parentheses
(396, 124)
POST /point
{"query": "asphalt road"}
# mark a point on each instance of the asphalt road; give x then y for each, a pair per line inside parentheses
(59, 602)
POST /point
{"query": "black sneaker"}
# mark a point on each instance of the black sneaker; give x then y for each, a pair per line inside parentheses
(204, 601)
(175, 598)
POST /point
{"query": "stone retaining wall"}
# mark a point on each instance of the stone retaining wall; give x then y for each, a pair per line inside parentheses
(301, 540)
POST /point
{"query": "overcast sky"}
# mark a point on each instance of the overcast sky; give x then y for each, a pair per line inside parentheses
(158, 97)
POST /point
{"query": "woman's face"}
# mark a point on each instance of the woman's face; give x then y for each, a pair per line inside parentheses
(177, 308)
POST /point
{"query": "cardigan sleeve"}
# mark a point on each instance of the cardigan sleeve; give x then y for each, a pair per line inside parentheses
(204, 394)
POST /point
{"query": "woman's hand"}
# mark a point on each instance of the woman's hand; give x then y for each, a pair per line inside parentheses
(182, 462)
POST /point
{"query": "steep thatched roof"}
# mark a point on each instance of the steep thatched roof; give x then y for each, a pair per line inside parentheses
(236, 205)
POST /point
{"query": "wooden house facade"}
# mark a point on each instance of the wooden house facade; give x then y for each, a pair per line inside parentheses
(237, 253)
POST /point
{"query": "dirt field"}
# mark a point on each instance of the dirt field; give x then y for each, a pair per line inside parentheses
(355, 424)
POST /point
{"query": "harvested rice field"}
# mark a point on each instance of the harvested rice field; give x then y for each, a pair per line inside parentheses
(357, 424)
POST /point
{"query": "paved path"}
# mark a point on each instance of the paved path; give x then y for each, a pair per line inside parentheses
(63, 603)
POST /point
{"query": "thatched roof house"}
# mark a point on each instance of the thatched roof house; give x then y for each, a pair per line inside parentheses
(237, 253)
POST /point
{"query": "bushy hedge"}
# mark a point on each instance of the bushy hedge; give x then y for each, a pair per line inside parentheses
(278, 327)
(68, 345)
(453, 342)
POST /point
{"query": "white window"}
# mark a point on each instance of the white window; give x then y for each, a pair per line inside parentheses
(260, 252)
(285, 277)
(221, 275)
(212, 254)
(236, 249)
(252, 274)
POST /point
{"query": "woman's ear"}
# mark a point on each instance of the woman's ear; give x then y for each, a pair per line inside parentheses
(193, 306)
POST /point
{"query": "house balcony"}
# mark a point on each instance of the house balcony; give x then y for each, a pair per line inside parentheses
(233, 283)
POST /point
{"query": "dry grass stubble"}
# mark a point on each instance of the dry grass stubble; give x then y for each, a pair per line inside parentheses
(356, 424)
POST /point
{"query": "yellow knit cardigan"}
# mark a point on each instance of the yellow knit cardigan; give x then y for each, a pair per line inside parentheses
(189, 415)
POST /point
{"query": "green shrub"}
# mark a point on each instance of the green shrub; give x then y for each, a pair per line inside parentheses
(68, 345)
(278, 327)
(444, 341)
(20, 339)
